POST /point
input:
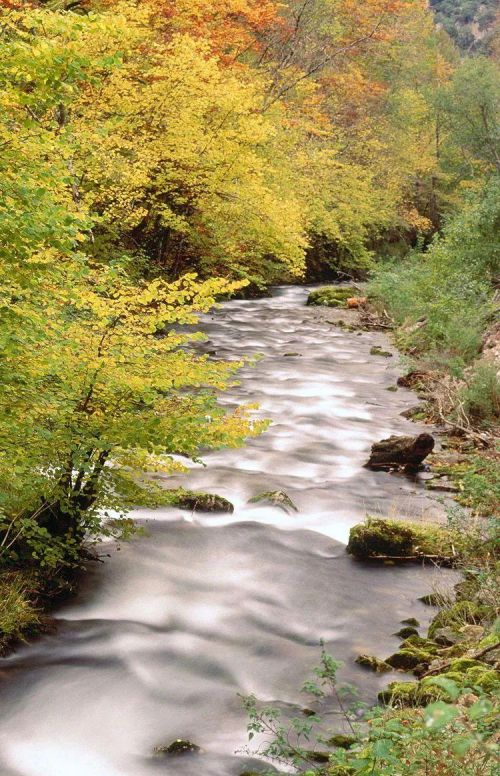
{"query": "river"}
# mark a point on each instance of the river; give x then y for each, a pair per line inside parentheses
(164, 635)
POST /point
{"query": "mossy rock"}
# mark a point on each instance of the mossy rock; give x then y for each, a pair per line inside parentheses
(380, 537)
(369, 661)
(406, 632)
(411, 621)
(331, 296)
(341, 741)
(178, 748)
(376, 350)
(410, 694)
(199, 502)
(318, 757)
(409, 659)
(392, 538)
(486, 678)
(275, 498)
(431, 599)
(461, 613)
(463, 664)
(447, 637)
(419, 643)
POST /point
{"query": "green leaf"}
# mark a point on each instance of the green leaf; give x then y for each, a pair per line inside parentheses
(462, 744)
(438, 715)
(482, 707)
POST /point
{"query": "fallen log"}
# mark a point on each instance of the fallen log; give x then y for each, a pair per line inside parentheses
(400, 452)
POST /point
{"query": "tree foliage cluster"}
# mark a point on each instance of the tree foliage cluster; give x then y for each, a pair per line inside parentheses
(159, 155)
(471, 23)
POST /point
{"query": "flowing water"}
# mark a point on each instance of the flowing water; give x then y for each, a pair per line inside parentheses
(167, 632)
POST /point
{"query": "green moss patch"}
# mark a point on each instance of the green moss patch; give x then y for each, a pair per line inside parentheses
(369, 661)
(198, 502)
(332, 296)
(405, 694)
(395, 539)
(461, 613)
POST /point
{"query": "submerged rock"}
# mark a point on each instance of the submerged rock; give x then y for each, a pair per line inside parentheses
(432, 599)
(331, 296)
(400, 451)
(411, 621)
(276, 498)
(376, 350)
(177, 748)
(369, 661)
(405, 633)
(200, 502)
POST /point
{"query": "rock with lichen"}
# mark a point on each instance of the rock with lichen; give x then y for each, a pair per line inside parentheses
(275, 498)
(331, 296)
(369, 661)
(177, 748)
(200, 502)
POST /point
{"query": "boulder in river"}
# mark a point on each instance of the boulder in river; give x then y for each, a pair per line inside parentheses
(331, 296)
(376, 350)
(374, 663)
(177, 748)
(394, 540)
(276, 498)
(200, 502)
(400, 451)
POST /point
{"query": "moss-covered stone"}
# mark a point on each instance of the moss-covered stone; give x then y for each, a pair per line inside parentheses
(331, 296)
(177, 748)
(461, 613)
(380, 537)
(405, 694)
(447, 636)
(369, 661)
(409, 659)
(317, 756)
(419, 643)
(376, 350)
(486, 678)
(199, 502)
(411, 621)
(406, 632)
(342, 741)
(391, 538)
(464, 664)
(431, 599)
(276, 498)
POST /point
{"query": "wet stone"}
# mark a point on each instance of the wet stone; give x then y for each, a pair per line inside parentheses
(178, 748)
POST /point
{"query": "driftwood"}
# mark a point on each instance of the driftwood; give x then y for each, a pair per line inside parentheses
(400, 451)
(442, 560)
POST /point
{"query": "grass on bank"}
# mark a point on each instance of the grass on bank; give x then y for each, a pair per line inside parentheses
(19, 616)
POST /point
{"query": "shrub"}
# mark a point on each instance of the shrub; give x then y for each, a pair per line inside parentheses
(480, 397)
